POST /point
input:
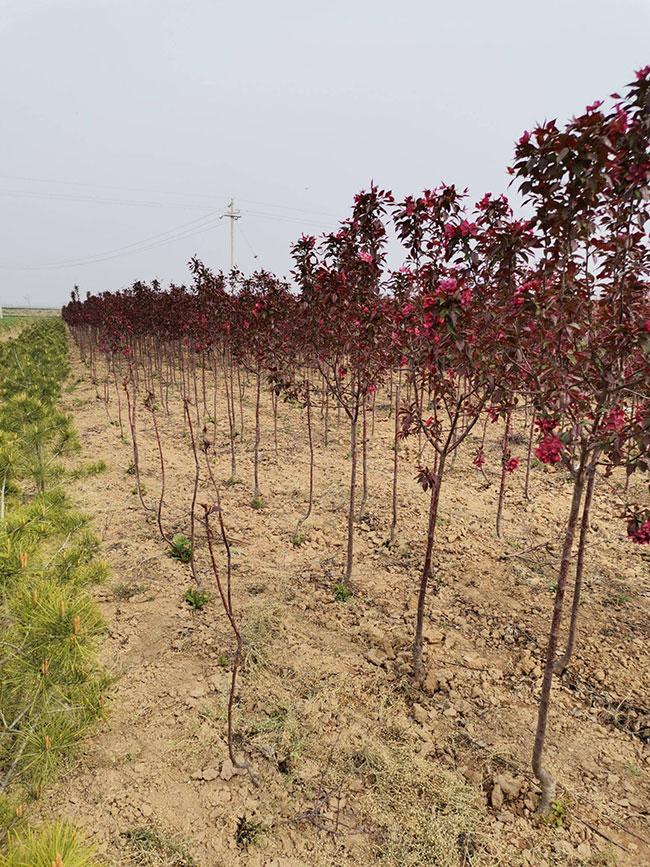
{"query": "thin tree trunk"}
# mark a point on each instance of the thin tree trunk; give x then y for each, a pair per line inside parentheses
(418, 668)
(327, 413)
(505, 456)
(134, 439)
(119, 400)
(231, 425)
(544, 776)
(529, 457)
(393, 525)
(227, 605)
(240, 389)
(197, 472)
(564, 660)
(311, 458)
(364, 462)
(353, 482)
(162, 474)
(256, 496)
(274, 401)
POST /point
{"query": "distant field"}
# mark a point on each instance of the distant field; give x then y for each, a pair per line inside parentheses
(19, 312)
(10, 321)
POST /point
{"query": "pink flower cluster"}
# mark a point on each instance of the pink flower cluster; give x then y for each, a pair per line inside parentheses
(546, 425)
(463, 230)
(639, 534)
(511, 465)
(549, 451)
(479, 460)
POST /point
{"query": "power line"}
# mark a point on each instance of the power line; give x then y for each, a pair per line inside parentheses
(176, 233)
(250, 246)
(233, 214)
(185, 230)
(96, 200)
(177, 195)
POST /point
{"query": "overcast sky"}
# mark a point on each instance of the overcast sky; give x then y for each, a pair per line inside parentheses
(127, 125)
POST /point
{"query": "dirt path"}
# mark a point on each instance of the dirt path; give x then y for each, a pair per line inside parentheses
(325, 705)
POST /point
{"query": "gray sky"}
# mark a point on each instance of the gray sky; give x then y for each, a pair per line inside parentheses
(127, 125)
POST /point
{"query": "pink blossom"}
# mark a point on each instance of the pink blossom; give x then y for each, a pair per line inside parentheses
(365, 257)
(467, 228)
(546, 425)
(639, 534)
(549, 451)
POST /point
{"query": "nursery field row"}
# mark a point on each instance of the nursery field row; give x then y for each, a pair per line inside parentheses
(324, 680)
(51, 686)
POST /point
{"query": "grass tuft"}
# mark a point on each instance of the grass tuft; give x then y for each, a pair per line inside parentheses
(56, 846)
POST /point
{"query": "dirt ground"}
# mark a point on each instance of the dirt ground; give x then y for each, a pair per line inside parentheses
(357, 765)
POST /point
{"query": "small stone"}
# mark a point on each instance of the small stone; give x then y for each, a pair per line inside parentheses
(227, 770)
(510, 786)
(420, 714)
(496, 797)
(146, 810)
(431, 684)
(210, 774)
(375, 657)
(473, 776)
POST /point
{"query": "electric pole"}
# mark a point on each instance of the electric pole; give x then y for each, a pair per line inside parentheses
(233, 214)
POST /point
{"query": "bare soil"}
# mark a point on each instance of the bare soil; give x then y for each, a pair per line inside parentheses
(358, 765)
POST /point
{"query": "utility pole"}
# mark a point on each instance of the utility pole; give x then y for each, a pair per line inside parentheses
(233, 214)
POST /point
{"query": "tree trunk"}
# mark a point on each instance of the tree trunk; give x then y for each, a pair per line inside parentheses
(353, 481)
(418, 668)
(505, 456)
(311, 458)
(544, 776)
(256, 495)
(529, 456)
(364, 462)
(231, 424)
(393, 524)
(564, 660)
(197, 473)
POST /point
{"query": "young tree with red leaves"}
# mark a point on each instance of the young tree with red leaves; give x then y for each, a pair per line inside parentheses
(340, 282)
(448, 331)
(578, 339)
